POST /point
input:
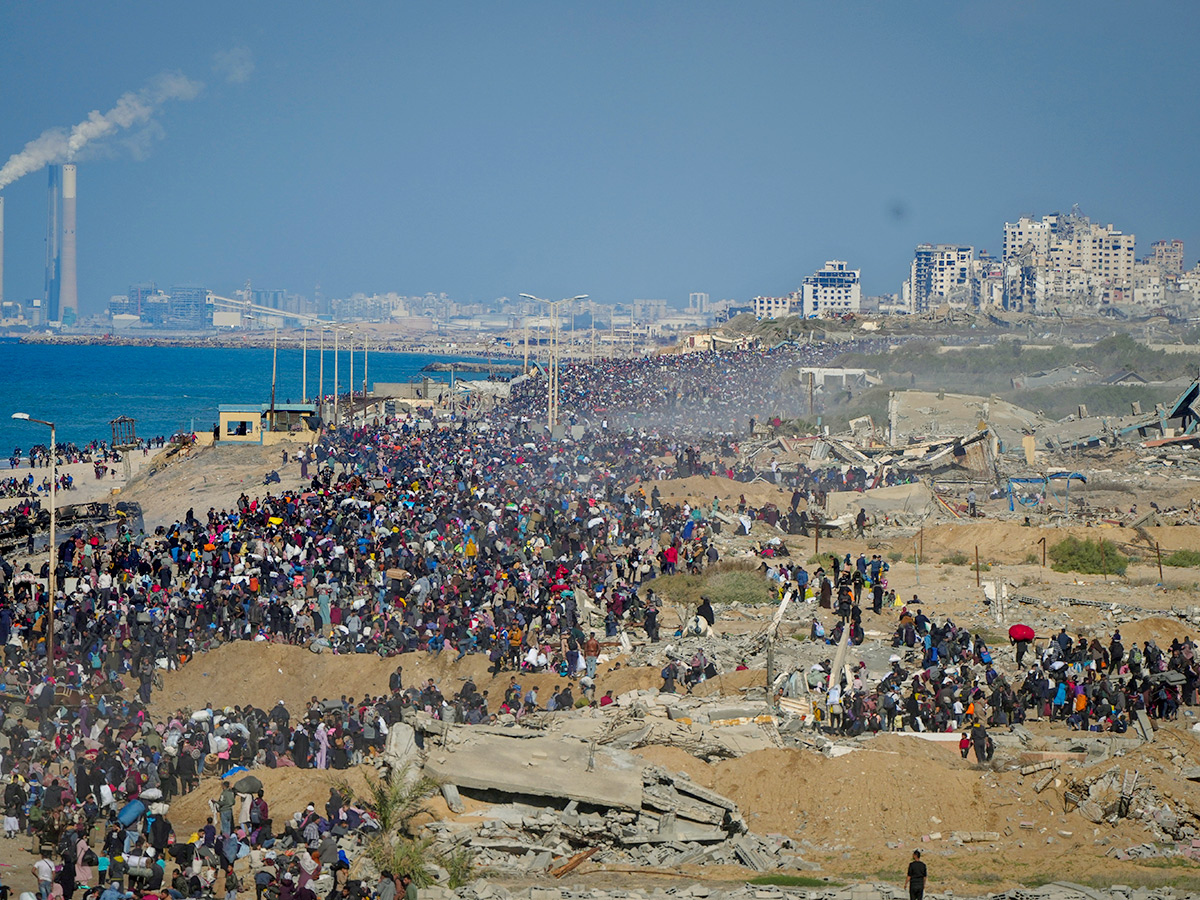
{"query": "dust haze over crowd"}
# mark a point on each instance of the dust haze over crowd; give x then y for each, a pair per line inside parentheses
(692, 394)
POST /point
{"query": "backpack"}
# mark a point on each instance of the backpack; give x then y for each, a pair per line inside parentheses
(66, 847)
(666, 673)
(1135, 656)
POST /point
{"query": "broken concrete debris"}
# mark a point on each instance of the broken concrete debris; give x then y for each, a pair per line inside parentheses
(557, 796)
(1058, 890)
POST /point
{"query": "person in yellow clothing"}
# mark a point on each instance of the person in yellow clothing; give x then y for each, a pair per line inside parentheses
(515, 637)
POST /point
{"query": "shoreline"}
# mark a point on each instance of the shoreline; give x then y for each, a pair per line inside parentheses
(480, 350)
(259, 341)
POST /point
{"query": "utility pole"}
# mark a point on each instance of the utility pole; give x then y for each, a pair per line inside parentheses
(274, 371)
(553, 367)
(552, 379)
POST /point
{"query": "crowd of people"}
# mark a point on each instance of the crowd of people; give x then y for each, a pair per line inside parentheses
(686, 393)
(483, 538)
(956, 679)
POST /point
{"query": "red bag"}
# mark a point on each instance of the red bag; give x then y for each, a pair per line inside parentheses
(1021, 633)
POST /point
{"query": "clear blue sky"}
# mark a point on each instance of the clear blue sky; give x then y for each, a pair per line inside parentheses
(625, 149)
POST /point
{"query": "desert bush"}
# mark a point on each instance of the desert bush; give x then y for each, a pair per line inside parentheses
(1184, 559)
(1086, 556)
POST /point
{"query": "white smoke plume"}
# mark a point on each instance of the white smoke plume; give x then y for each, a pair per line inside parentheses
(58, 145)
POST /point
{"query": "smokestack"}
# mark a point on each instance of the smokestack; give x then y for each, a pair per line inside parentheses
(53, 242)
(68, 293)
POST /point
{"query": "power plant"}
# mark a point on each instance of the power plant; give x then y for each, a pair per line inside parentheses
(62, 294)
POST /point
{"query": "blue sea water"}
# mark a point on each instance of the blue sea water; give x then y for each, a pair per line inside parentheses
(164, 389)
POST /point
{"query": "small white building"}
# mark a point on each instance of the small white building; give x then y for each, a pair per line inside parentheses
(833, 290)
(777, 307)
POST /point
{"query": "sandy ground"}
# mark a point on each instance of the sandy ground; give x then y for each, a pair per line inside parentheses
(211, 477)
(87, 487)
(260, 674)
(700, 490)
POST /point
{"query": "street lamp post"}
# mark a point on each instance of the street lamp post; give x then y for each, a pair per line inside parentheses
(321, 377)
(304, 369)
(50, 587)
(274, 372)
(552, 375)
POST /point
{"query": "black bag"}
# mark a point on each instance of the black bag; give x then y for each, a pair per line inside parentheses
(66, 847)
(182, 853)
(90, 858)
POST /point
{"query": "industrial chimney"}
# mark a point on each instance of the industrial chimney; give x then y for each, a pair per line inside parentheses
(53, 243)
(68, 293)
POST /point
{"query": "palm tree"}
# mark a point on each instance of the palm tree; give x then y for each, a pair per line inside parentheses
(396, 801)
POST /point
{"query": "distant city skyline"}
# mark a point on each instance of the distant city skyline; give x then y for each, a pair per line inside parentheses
(646, 151)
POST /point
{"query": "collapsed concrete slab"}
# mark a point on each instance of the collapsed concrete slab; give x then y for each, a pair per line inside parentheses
(538, 767)
(567, 795)
(911, 499)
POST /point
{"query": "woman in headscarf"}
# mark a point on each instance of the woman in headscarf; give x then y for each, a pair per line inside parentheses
(322, 739)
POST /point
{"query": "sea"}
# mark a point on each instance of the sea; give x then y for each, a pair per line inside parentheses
(165, 389)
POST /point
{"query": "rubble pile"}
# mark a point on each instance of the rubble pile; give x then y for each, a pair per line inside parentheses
(680, 823)
(1059, 890)
(559, 795)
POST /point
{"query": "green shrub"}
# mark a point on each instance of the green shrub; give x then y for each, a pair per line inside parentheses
(1032, 559)
(895, 555)
(459, 865)
(793, 881)
(1073, 555)
(957, 558)
(1184, 559)
(725, 582)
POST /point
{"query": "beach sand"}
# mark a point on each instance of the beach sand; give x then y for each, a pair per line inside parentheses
(87, 487)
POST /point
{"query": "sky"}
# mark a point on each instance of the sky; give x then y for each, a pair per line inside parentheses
(621, 150)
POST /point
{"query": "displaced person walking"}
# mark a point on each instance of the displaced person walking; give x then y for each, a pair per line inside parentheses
(915, 879)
